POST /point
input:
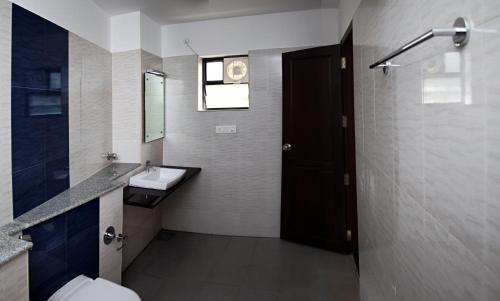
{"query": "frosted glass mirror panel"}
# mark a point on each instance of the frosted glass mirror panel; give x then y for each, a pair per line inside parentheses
(154, 107)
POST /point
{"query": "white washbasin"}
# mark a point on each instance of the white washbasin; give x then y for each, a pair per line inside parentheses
(158, 178)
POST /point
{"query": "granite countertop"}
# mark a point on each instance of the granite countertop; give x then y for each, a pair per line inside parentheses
(97, 185)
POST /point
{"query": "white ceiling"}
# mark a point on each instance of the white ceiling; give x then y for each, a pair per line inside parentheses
(178, 11)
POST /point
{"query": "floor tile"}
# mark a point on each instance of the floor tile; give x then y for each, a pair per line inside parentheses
(176, 289)
(229, 272)
(161, 267)
(219, 292)
(147, 287)
(246, 294)
(186, 266)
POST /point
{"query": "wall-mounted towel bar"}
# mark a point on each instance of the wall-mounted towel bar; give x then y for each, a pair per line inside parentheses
(460, 34)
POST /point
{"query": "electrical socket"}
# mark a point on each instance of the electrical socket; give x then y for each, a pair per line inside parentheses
(225, 129)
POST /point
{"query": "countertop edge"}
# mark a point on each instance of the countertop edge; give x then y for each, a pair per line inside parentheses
(11, 247)
(30, 223)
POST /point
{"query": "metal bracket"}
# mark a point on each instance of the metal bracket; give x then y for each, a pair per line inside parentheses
(346, 179)
(460, 34)
(26, 237)
(123, 239)
(343, 63)
(344, 121)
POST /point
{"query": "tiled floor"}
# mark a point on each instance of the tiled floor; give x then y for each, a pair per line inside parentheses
(186, 266)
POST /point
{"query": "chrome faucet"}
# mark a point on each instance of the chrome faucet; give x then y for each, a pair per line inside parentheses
(148, 166)
(110, 156)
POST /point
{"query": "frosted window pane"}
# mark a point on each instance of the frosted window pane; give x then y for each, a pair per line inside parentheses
(227, 96)
(215, 71)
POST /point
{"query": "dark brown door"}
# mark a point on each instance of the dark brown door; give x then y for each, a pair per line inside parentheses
(313, 192)
(350, 152)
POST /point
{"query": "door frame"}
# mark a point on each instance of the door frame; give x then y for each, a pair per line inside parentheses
(347, 82)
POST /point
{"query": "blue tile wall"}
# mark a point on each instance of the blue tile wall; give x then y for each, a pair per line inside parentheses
(83, 241)
(63, 248)
(40, 128)
(48, 258)
(67, 245)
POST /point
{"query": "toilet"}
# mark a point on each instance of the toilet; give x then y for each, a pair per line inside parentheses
(83, 288)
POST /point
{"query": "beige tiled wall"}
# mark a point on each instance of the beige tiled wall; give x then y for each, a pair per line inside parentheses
(427, 150)
(14, 275)
(238, 190)
(90, 109)
(127, 105)
(141, 225)
(111, 214)
(5, 139)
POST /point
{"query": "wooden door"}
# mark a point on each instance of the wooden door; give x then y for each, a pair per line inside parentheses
(349, 141)
(313, 191)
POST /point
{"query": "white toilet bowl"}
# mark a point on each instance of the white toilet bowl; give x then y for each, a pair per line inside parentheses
(83, 288)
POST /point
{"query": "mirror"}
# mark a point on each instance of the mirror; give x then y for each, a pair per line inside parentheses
(154, 105)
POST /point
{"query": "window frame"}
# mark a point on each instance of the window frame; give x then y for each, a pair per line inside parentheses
(205, 83)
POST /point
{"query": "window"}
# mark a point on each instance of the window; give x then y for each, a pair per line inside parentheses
(225, 83)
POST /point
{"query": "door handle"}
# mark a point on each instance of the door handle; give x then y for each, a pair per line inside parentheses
(287, 147)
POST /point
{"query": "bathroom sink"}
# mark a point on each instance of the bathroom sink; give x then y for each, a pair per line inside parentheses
(158, 178)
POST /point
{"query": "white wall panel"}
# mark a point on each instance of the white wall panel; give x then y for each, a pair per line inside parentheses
(125, 32)
(240, 34)
(150, 35)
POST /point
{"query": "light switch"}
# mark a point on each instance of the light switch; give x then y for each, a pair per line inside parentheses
(225, 129)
